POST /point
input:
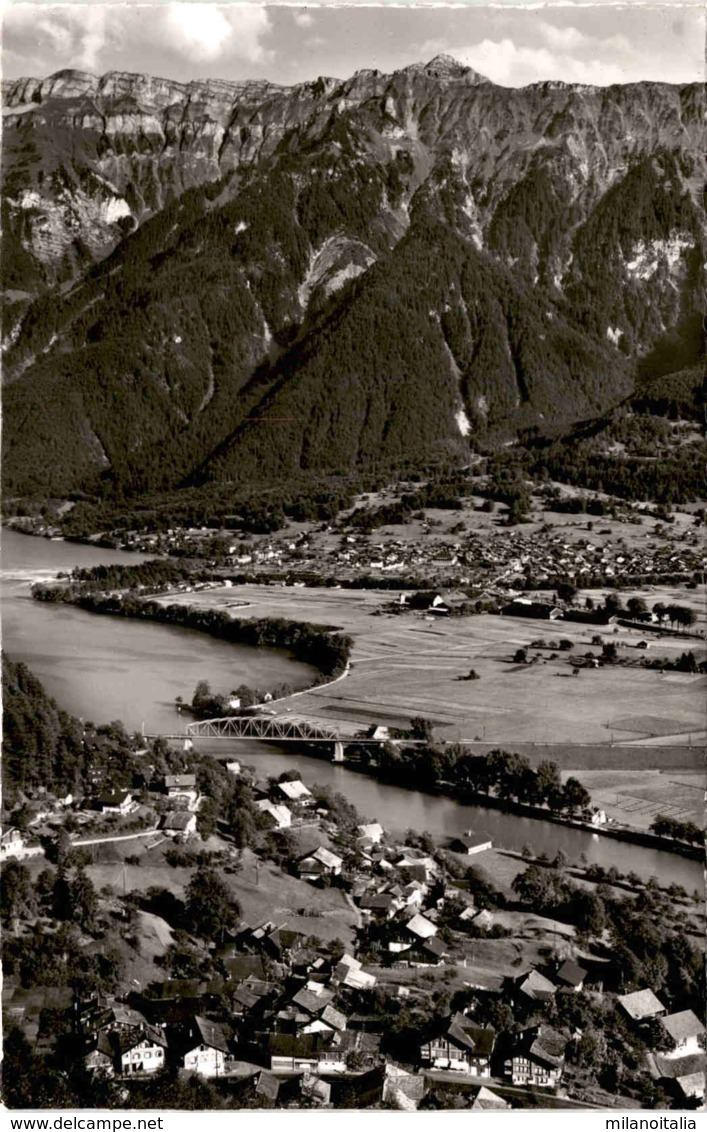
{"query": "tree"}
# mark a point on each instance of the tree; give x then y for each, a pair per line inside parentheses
(636, 605)
(609, 652)
(548, 779)
(566, 591)
(574, 795)
(18, 897)
(211, 908)
(520, 656)
(420, 728)
(84, 902)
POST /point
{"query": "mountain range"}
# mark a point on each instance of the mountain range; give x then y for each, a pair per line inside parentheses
(241, 282)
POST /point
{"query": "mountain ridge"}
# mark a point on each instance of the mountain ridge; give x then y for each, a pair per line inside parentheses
(510, 255)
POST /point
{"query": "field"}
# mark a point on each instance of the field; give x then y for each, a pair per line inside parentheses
(410, 665)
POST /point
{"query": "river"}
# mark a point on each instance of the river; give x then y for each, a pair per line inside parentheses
(106, 668)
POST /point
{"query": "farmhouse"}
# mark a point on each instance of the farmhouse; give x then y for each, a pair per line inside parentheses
(206, 1049)
(463, 1047)
(179, 823)
(469, 844)
(320, 863)
(685, 1031)
(537, 1057)
(116, 802)
(641, 1004)
(540, 610)
(11, 844)
(140, 1050)
(296, 792)
(277, 817)
(571, 976)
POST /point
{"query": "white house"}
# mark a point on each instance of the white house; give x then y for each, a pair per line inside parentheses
(11, 844)
(685, 1031)
(139, 1051)
(179, 823)
(279, 817)
(372, 832)
(319, 863)
(296, 792)
(206, 1049)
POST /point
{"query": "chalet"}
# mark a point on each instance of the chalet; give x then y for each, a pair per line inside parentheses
(296, 792)
(535, 986)
(282, 943)
(320, 863)
(139, 1050)
(292, 1052)
(179, 823)
(114, 802)
(379, 905)
(537, 1057)
(571, 976)
(469, 844)
(641, 1004)
(99, 1058)
(685, 1031)
(276, 817)
(420, 927)
(205, 1048)
(691, 1085)
(311, 1002)
(365, 1090)
(181, 786)
(349, 973)
(11, 844)
(463, 1047)
(344, 1044)
(428, 954)
(540, 610)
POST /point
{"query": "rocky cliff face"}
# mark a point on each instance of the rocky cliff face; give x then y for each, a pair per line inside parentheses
(395, 262)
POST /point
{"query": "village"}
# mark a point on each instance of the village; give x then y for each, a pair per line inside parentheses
(314, 960)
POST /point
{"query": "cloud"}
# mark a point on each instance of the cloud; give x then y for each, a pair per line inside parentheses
(74, 35)
(303, 18)
(564, 39)
(208, 31)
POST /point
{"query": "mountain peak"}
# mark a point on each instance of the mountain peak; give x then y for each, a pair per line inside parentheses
(446, 66)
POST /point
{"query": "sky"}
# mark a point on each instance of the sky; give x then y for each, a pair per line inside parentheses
(597, 43)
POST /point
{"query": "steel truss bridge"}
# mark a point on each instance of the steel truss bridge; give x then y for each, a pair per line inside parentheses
(275, 729)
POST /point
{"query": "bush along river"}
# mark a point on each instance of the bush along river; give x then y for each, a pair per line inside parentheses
(107, 668)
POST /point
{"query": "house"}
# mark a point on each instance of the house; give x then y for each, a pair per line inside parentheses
(691, 1085)
(537, 1057)
(535, 986)
(420, 927)
(402, 1090)
(292, 1052)
(11, 844)
(463, 1047)
(233, 767)
(316, 1092)
(685, 1032)
(488, 1101)
(179, 823)
(524, 607)
(178, 785)
(469, 844)
(205, 1049)
(138, 1050)
(381, 905)
(349, 972)
(296, 792)
(115, 802)
(429, 954)
(276, 817)
(365, 1090)
(99, 1058)
(365, 1047)
(571, 976)
(320, 863)
(641, 1004)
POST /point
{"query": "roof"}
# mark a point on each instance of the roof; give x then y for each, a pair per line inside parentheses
(125, 1040)
(333, 1018)
(571, 973)
(641, 1004)
(692, 1084)
(478, 1040)
(435, 947)
(211, 1034)
(291, 1045)
(281, 814)
(180, 819)
(114, 798)
(359, 979)
(420, 926)
(683, 1025)
(327, 857)
(267, 1085)
(542, 1044)
(377, 900)
(471, 842)
(486, 1100)
(295, 790)
(536, 986)
(311, 1002)
(373, 830)
(176, 780)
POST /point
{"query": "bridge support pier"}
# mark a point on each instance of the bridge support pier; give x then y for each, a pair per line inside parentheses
(338, 756)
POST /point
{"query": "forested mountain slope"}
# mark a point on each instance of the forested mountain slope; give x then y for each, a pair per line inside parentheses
(398, 265)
